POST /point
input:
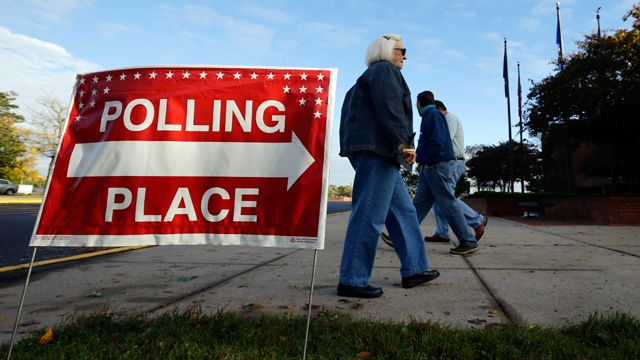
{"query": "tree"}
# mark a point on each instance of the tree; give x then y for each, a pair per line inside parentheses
(48, 125)
(411, 181)
(595, 100)
(25, 172)
(410, 178)
(12, 146)
(340, 190)
(489, 164)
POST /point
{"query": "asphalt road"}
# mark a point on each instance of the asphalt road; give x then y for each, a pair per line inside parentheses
(16, 225)
(17, 222)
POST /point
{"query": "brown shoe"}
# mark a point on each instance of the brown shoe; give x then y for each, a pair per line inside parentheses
(480, 229)
(386, 239)
(463, 250)
(436, 238)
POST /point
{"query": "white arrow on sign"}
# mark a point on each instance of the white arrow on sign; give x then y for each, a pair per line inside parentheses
(190, 158)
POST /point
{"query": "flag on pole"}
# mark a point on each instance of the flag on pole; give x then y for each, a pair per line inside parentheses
(559, 38)
(598, 19)
(519, 94)
(505, 71)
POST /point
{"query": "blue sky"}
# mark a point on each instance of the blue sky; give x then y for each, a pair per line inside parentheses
(454, 48)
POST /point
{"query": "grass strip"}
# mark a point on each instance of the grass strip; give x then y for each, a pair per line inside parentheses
(192, 335)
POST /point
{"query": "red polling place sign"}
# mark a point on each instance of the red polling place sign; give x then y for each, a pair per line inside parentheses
(193, 155)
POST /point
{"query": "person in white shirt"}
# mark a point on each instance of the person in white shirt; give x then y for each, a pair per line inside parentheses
(473, 218)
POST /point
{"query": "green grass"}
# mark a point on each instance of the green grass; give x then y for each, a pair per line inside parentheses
(192, 335)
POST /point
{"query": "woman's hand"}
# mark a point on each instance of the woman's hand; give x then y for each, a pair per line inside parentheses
(409, 155)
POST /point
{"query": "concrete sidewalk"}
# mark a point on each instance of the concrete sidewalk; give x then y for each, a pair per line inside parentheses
(545, 275)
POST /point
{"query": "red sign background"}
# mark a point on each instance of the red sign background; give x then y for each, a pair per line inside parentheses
(74, 209)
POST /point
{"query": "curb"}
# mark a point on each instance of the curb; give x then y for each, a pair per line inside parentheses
(72, 258)
(20, 201)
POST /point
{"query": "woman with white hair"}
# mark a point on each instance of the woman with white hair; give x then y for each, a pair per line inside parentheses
(376, 131)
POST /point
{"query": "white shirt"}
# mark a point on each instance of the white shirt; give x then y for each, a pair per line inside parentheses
(457, 134)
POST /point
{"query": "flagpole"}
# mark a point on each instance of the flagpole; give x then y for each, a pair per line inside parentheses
(598, 19)
(568, 158)
(559, 38)
(505, 75)
(521, 142)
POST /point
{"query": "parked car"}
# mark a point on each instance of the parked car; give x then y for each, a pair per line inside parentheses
(7, 187)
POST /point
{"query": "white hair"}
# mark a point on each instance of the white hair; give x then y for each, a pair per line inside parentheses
(381, 48)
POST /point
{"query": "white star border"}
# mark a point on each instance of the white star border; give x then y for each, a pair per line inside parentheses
(309, 85)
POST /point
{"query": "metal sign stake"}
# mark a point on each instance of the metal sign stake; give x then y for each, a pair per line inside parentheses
(313, 276)
(24, 294)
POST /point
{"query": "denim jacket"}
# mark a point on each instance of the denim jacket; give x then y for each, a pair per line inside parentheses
(377, 113)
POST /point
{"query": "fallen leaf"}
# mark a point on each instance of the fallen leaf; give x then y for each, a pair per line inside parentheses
(47, 337)
(252, 306)
(4, 318)
(493, 313)
(364, 355)
(357, 306)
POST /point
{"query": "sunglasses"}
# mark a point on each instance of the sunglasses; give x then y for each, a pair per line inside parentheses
(403, 51)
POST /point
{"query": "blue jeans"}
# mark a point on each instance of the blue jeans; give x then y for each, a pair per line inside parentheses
(434, 187)
(380, 198)
(473, 218)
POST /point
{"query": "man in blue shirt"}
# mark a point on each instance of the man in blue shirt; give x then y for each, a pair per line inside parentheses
(436, 167)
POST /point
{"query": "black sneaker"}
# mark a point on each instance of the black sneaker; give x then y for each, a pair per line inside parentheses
(386, 239)
(363, 292)
(464, 250)
(421, 278)
(436, 238)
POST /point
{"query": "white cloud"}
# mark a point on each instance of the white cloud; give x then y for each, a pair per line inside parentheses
(543, 7)
(546, 7)
(625, 5)
(331, 35)
(226, 32)
(32, 67)
(267, 14)
(56, 10)
(541, 67)
(456, 55)
(487, 64)
(461, 10)
(429, 44)
(492, 36)
(530, 23)
(111, 30)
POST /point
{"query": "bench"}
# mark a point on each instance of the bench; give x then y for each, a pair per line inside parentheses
(532, 209)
